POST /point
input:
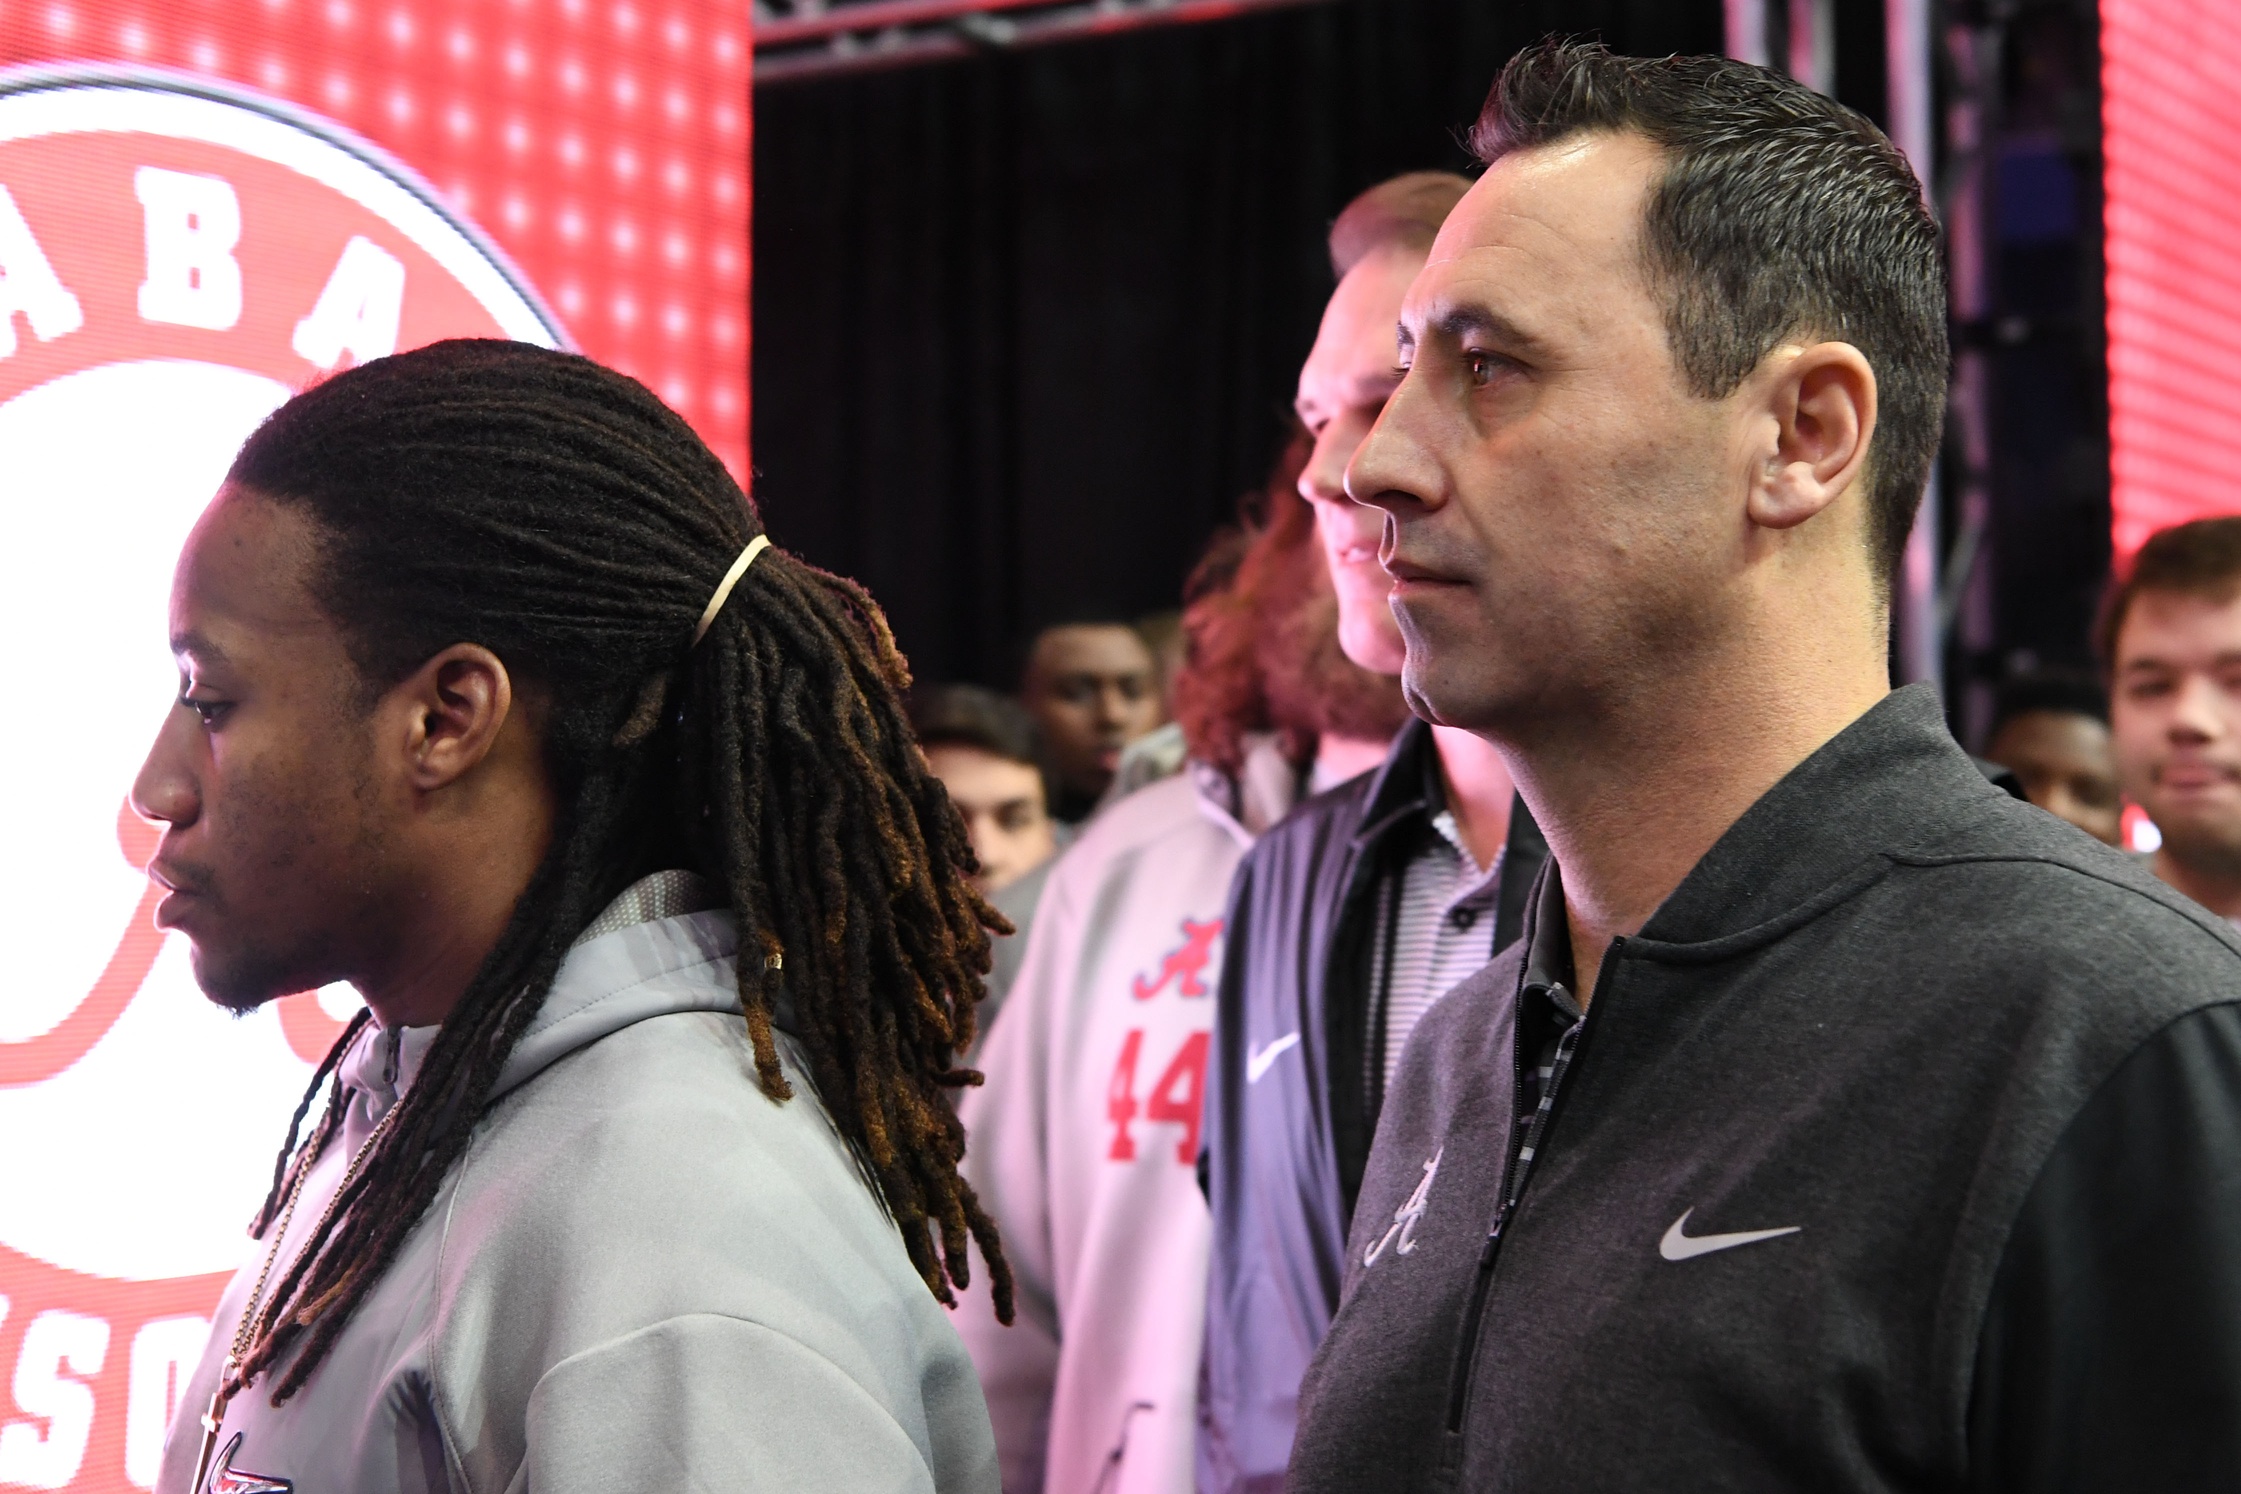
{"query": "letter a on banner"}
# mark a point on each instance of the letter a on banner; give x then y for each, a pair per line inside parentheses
(28, 284)
(359, 310)
(192, 223)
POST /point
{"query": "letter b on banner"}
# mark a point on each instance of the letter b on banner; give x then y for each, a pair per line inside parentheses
(193, 223)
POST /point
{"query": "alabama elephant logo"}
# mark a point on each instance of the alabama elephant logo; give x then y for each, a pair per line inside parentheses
(175, 260)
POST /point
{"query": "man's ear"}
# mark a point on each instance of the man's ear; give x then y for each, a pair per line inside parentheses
(1822, 401)
(454, 707)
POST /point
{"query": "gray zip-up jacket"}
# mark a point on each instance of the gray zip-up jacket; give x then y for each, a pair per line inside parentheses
(643, 1275)
(1900, 1150)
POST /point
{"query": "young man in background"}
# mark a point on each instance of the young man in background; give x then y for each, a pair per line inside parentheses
(985, 750)
(2172, 638)
(1093, 688)
(2052, 732)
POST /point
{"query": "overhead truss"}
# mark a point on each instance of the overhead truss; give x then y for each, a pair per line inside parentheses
(811, 38)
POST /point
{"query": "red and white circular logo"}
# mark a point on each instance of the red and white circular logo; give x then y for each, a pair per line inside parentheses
(175, 260)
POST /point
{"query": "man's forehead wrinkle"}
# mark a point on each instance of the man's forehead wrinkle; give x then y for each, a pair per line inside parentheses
(1465, 304)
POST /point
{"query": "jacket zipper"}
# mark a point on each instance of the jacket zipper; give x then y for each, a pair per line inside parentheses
(1515, 1175)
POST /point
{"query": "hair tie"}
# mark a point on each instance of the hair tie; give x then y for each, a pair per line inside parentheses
(755, 547)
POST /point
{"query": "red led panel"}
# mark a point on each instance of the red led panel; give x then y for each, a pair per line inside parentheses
(2172, 116)
(602, 144)
(204, 206)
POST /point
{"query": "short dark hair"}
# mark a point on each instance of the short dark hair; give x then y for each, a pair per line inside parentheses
(2061, 691)
(2199, 559)
(1781, 213)
(975, 716)
(1023, 649)
(1403, 212)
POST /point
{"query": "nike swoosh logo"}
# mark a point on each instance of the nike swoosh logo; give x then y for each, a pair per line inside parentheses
(1257, 1064)
(1679, 1245)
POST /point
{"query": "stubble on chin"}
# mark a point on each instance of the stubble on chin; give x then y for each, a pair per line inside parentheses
(239, 982)
(1447, 678)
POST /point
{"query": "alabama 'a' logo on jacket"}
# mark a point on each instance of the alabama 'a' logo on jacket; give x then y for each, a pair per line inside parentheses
(176, 259)
(1175, 1065)
(1183, 966)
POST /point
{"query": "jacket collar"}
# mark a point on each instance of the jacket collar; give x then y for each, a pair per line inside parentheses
(1548, 938)
(1407, 783)
(1263, 790)
(1892, 782)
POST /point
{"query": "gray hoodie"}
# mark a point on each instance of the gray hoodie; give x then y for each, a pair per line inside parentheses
(643, 1274)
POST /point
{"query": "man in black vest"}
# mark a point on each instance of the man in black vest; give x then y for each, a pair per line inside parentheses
(1839, 1123)
(1347, 919)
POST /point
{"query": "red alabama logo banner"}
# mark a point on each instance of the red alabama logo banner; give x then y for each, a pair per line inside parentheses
(175, 259)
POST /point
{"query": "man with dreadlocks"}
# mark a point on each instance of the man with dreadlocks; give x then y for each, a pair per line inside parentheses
(638, 1171)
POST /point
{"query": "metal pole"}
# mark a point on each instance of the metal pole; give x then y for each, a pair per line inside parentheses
(1907, 64)
(1746, 32)
(1973, 52)
(1813, 44)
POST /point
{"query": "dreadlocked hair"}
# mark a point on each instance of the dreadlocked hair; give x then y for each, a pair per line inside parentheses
(560, 515)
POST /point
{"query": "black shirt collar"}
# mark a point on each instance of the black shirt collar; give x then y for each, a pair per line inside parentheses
(1548, 938)
(1407, 785)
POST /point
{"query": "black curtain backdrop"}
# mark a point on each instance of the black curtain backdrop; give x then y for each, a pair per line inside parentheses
(1027, 325)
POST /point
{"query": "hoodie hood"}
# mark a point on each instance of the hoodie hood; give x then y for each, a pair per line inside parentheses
(683, 963)
(657, 948)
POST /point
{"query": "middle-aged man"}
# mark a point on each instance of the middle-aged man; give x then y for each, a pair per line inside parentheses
(1839, 1123)
(2171, 635)
(637, 1171)
(1347, 920)
(1085, 1138)
(1093, 688)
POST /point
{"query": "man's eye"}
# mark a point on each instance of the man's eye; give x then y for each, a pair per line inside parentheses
(209, 710)
(1483, 366)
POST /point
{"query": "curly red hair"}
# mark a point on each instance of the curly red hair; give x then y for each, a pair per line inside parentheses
(1262, 626)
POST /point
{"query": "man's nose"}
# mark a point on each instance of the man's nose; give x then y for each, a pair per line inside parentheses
(2198, 715)
(163, 791)
(1323, 479)
(1391, 469)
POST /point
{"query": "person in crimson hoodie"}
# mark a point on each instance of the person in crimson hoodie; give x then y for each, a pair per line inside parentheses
(1083, 1143)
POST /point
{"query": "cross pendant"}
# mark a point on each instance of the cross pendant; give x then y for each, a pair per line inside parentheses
(212, 1419)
